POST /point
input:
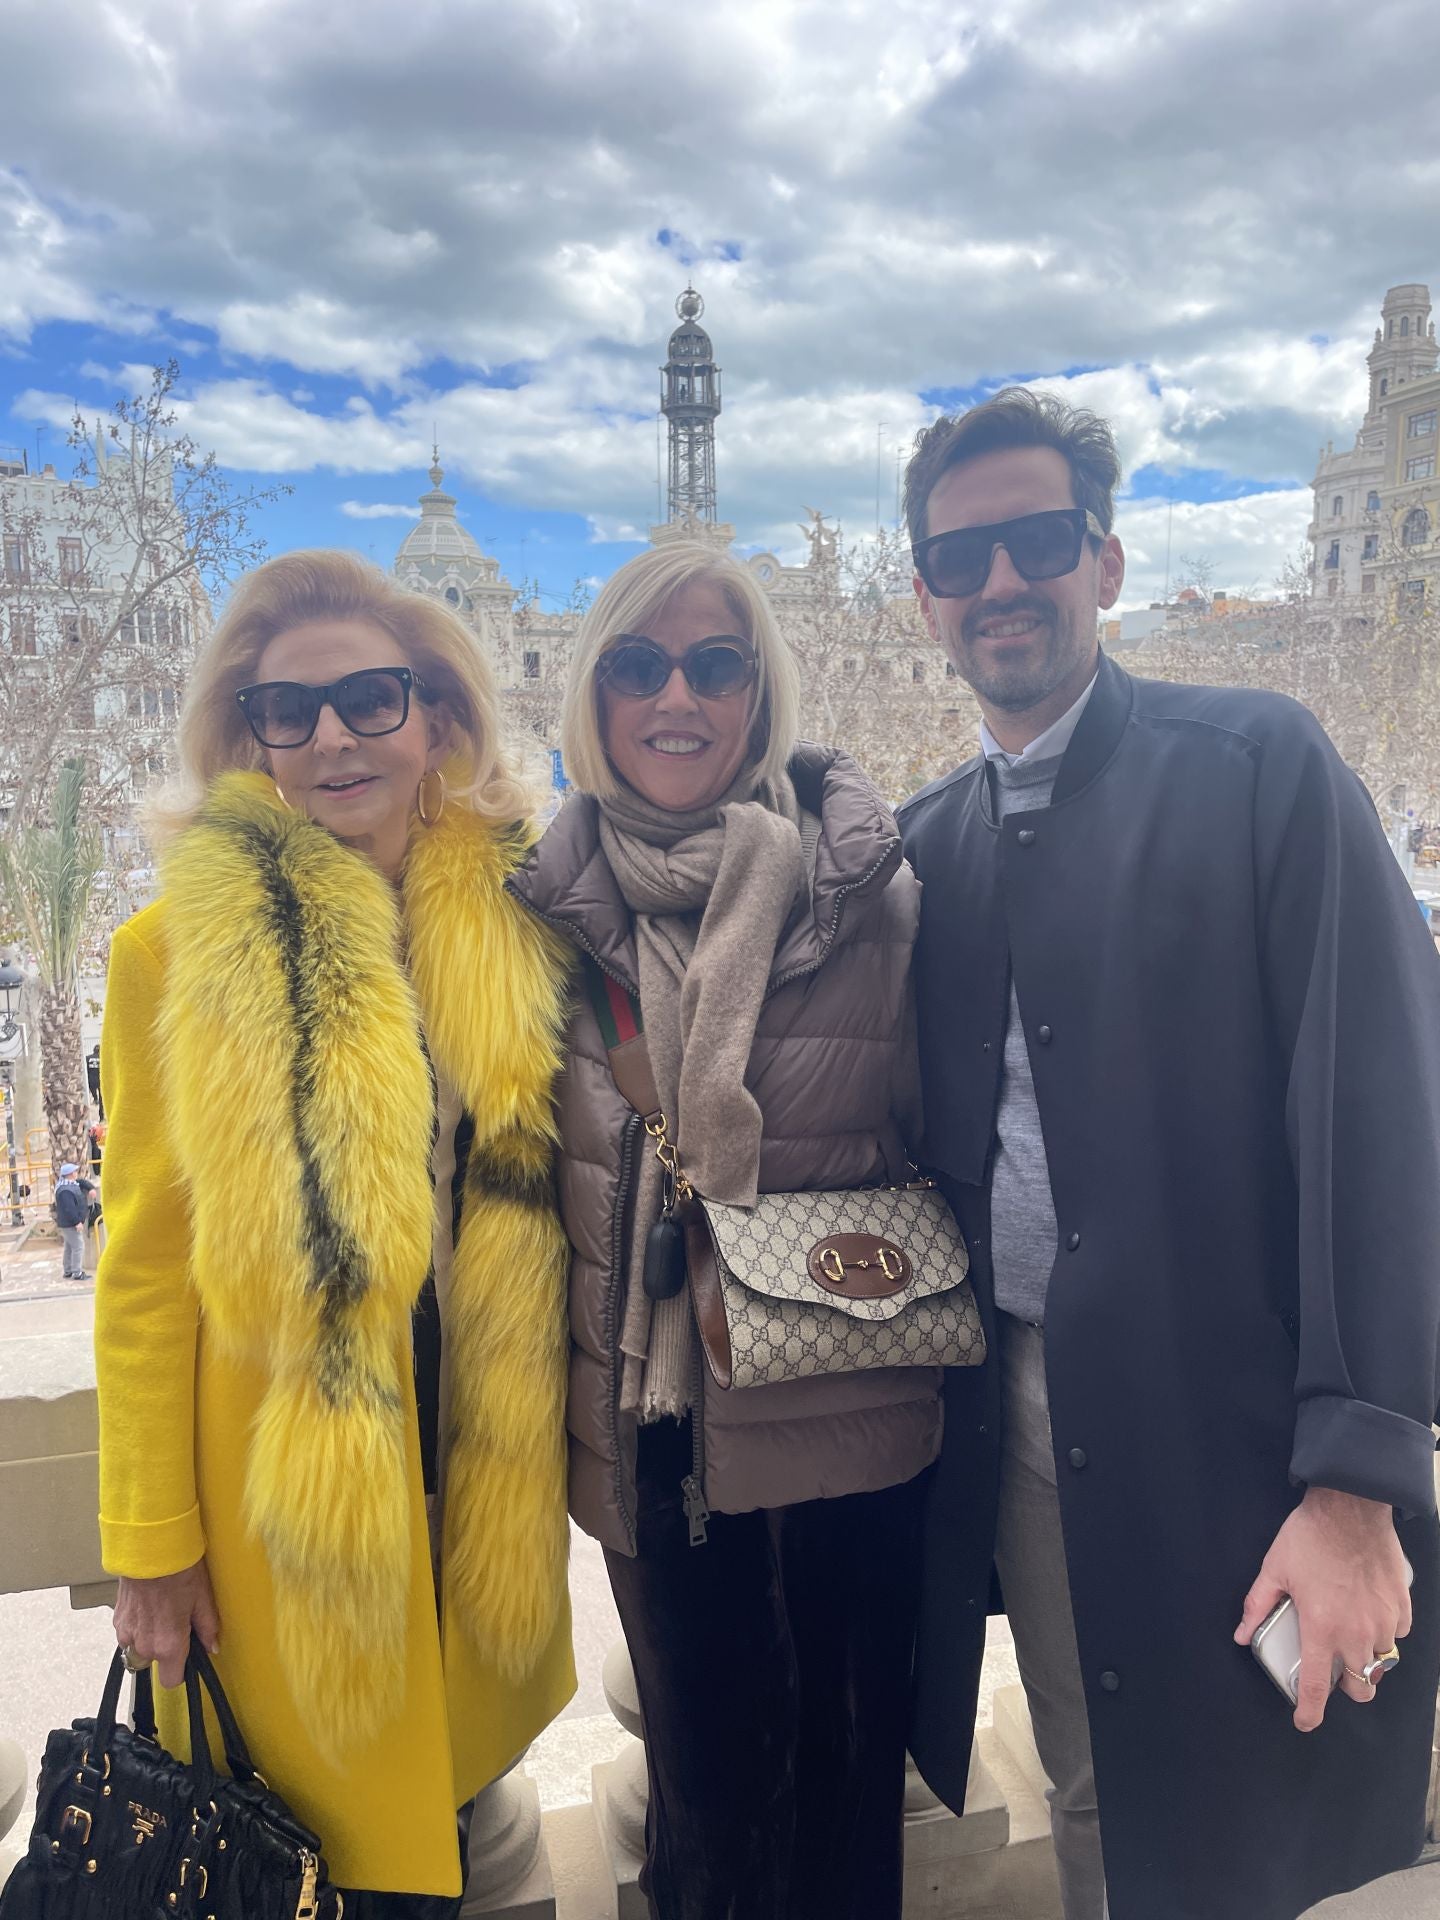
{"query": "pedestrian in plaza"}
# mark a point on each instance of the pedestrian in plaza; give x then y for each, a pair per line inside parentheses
(740, 900)
(94, 1223)
(1180, 1026)
(70, 1209)
(330, 1334)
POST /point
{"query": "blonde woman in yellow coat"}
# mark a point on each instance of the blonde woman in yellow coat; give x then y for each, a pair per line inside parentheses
(330, 1320)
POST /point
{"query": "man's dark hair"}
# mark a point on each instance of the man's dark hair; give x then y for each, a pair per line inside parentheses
(1016, 417)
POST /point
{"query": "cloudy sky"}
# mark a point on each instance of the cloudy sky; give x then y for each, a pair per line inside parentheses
(349, 219)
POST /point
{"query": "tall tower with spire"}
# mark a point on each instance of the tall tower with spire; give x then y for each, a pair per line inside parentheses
(690, 401)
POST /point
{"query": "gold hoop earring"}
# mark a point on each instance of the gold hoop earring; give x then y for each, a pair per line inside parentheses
(430, 800)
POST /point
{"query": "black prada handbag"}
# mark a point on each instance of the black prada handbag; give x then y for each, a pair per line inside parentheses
(124, 1832)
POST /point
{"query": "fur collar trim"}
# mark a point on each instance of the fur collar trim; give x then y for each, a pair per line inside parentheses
(290, 1009)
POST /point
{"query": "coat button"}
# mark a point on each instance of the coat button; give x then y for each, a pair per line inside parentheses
(1110, 1681)
(1073, 1242)
(1044, 1035)
(1078, 1458)
(1026, 836)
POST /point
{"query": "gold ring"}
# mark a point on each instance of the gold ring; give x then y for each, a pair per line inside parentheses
(1382, 1664)
(1359, 1678)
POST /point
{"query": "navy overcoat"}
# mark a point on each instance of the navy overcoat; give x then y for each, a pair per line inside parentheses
(1233, 1013)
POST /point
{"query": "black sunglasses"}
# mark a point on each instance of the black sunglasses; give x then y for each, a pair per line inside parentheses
(713, 668)
(1041, 546)
(285, 713)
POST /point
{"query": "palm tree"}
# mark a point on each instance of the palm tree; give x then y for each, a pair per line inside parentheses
(48, 874)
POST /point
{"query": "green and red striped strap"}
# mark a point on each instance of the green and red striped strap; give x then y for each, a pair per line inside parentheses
(617, 1013)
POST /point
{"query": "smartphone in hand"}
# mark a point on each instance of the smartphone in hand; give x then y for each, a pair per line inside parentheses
(1276, 1646)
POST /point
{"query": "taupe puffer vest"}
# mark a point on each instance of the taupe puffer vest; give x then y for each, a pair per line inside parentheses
(835, 1074)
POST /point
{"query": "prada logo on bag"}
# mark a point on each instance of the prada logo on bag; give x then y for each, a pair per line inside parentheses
(860, 1266)
(145, 1822)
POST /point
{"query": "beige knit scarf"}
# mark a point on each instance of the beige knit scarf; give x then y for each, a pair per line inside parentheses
(711, 892)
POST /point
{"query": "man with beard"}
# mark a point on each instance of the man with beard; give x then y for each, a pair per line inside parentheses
(1180, 1025)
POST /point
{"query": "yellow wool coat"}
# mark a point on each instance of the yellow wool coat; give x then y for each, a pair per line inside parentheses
(269, 1205)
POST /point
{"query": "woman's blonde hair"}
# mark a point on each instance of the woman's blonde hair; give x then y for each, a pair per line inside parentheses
(627, 603)
(298, 588)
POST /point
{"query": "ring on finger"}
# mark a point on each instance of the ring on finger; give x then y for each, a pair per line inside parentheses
(1360, 1679)
(1382, 1664)
(133, 1663)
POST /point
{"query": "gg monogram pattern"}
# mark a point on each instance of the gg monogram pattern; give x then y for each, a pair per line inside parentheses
(785, 1326)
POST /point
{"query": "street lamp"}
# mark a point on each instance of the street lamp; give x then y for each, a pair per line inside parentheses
(12, 979)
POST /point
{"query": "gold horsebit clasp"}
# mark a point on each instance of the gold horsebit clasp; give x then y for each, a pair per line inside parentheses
(834, 1268)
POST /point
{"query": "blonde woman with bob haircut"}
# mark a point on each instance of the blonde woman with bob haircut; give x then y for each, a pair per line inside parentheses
(739, 898)
(330, 1334)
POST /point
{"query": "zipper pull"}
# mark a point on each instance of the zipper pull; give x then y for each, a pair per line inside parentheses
(696, 1511)
(309, 1873)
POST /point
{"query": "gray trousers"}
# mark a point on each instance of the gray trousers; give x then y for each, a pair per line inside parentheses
(1030, 1553)
(72, 1253)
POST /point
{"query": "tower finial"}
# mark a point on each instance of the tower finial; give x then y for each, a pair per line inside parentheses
(437, 472)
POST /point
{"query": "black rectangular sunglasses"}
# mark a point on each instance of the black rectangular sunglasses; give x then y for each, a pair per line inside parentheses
(1041, 546)
(635, 666)
(285, 713)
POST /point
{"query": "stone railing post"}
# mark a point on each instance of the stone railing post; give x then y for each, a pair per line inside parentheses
(509, 1866)
(14, 1779)
(620, 1789)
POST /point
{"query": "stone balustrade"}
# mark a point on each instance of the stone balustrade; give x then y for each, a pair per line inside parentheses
(995, 1863)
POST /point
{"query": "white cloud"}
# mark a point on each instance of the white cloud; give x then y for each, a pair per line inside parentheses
(251, 428)
(1245, 544)
(378, 510)
(457, 208)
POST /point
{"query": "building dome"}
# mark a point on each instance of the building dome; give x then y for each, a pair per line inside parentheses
(438, 552)
(690, 343)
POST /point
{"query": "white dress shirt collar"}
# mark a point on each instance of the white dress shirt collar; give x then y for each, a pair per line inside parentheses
(1050, 744)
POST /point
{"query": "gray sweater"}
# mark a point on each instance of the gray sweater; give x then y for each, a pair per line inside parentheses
(1022, 1209)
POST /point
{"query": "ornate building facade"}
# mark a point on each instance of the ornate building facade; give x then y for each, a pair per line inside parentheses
(95, 654)
(527, 648)
(1375, 529)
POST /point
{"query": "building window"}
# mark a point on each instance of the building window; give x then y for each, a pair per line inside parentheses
(1372, 502)
(151, 705)
(917, 672)
(1332, 558)
(452, 596)
(1416, 530)
(17, 562)
(1412, 596)
(530, 665)
(1419, 424)
(848, 668)
(82, 707)
(1333, 584)
(1420, 468)
(1371, 548)
(1337, 506)
(22, 633)
(72, 561)
(1384, 388)
(1404, 325)
(1367, 583)
(949, 669)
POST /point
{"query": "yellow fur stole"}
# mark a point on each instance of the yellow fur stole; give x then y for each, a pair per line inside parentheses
(288, 1008)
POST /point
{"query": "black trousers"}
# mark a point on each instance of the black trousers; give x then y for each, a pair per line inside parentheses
(773, 1669)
